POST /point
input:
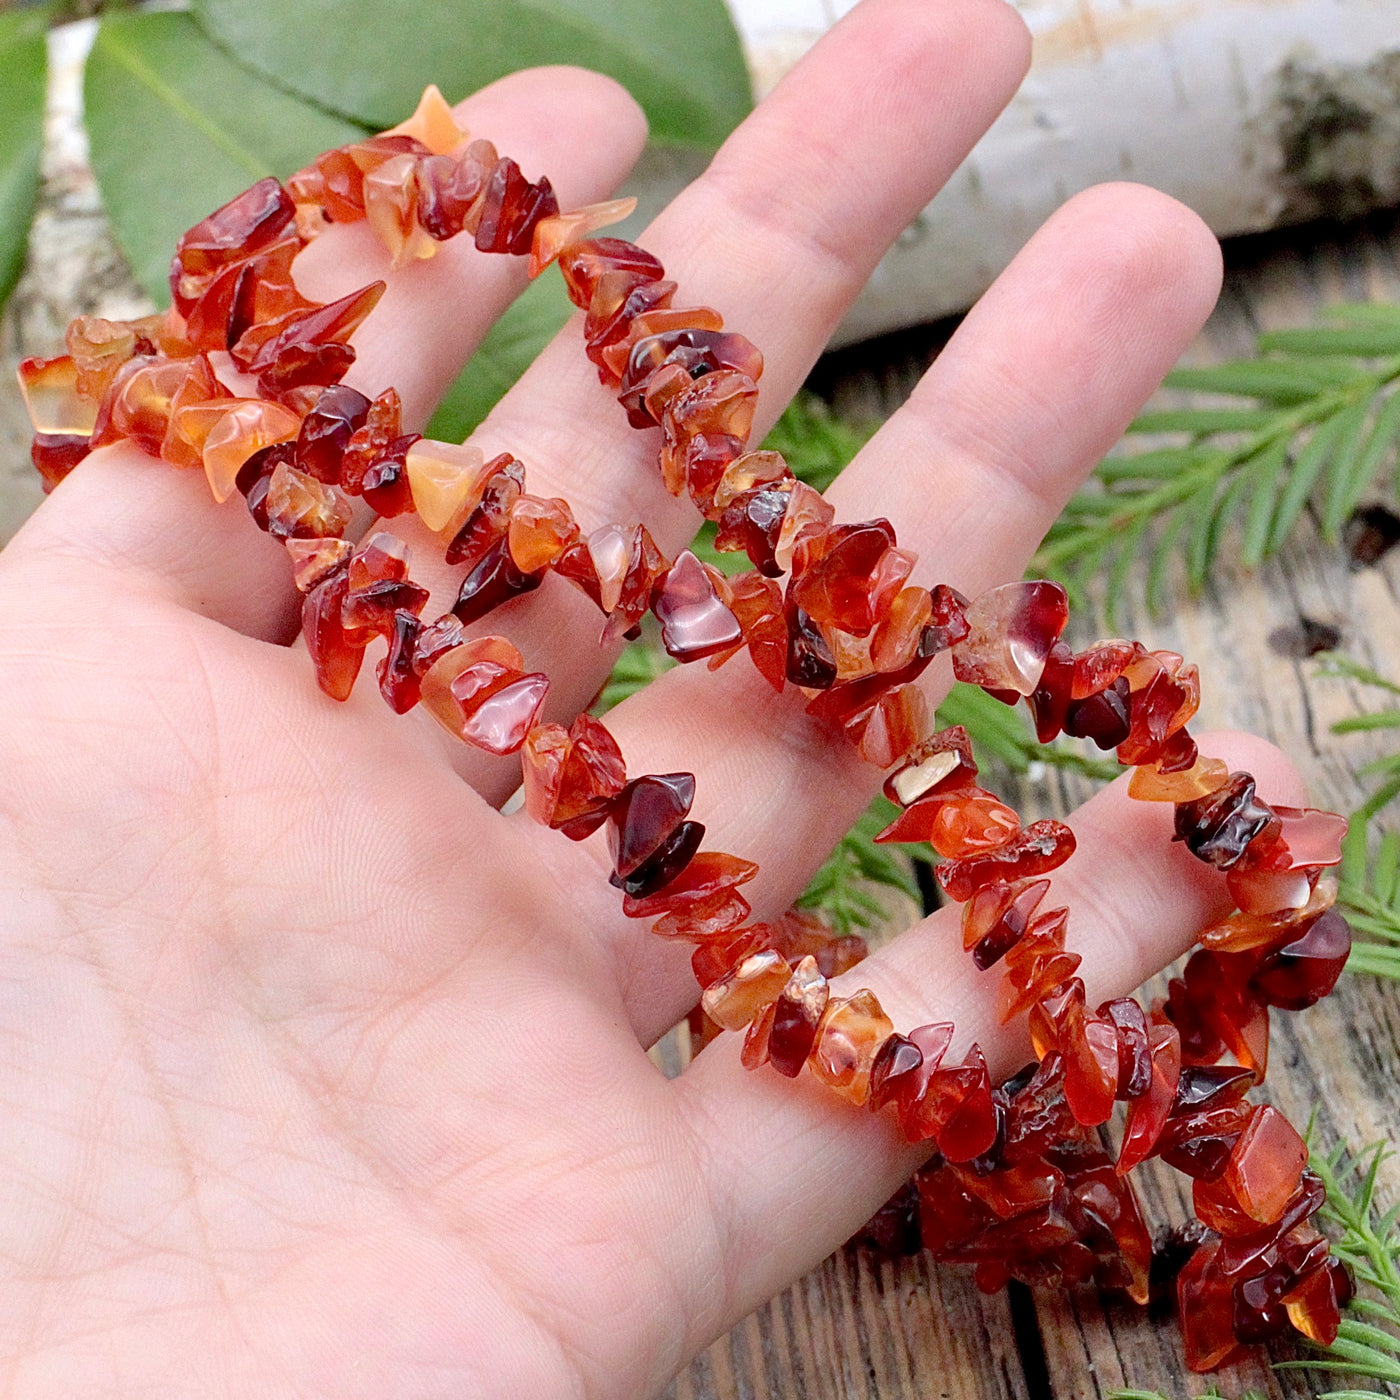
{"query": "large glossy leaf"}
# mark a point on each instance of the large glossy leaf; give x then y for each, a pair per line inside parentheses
(681, 59)
(503, 357)
(178, 129)
(23, 63)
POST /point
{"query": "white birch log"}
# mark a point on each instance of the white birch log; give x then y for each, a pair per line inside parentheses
(1253, 112)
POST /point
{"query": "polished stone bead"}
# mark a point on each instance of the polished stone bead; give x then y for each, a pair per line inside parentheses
(941, 763)
(483, 519)
(1134, 1053)
(850, 1035)
(248, 222)
(1011, 632)
(496, 712)
(809, 659)
(807, 513)
(445, 478)
(384, 483)
(1205, 776)
(1097, 667)
(239, 432)
(959, 1110)
(717, 957)
(1103, 717)
(1264, 1169)
(899, 634)
(493, 580)
(752, 471)
(1038, 965)
(1306, 968)
(643, 816)
(796, 1016)
(1049, 702)
(893, 727)
(326, 431)
(1205, 1306)
(1036, 850)
(1164, 695)
(399, 681)
(584, 263)
(54, 455)
(382, 426)
(512, 209)
(555, 232)
(695, 621)
(1241, 932)
(748, 990)
(379, 585)
(1089, 1045)
(909, 1089)
(834, 573)
(756, 1048)
(1148, 1112)
(891, 1074)
(299, 506)
(709, 877)
(451, 190)
(996, 918)
(957, 822)
(571, 774)
(1280, 866)
(286, 351)
(335, 654)
(668, 861)
(757, 603)
(1218, 828)
(433, 124)
(539, 531)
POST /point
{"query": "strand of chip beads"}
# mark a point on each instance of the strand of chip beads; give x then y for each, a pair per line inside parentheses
(1020, 1184)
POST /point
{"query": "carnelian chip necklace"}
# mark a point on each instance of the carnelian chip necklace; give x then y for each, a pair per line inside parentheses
(1020, 1183)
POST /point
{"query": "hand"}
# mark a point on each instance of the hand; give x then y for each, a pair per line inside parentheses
(322, 1077)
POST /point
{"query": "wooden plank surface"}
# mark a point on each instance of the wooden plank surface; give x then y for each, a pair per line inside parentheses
(854, 1329)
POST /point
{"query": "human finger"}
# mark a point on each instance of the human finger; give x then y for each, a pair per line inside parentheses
(1035, 386)
(774, 1149)
(778, 235)
(123, 516)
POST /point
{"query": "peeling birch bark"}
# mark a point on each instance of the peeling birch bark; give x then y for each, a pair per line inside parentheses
(1255, 113)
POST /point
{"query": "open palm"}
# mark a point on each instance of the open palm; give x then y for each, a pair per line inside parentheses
(322, 1077)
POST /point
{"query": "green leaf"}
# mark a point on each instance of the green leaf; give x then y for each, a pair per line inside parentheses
(24, 62)
(1274, 381)
(1365, 341)
(1345, 485)
(178, 129)
(1200, 421)
(1262, 501)
(1307, 467)
(531, 322)
(682, 62)
(1381, 443)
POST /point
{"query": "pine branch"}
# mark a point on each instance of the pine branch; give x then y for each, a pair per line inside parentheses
(841, 889)
(1324, 422)
(1366, 1237)
(1002, 735)
(1370, 880)
(816, 443)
